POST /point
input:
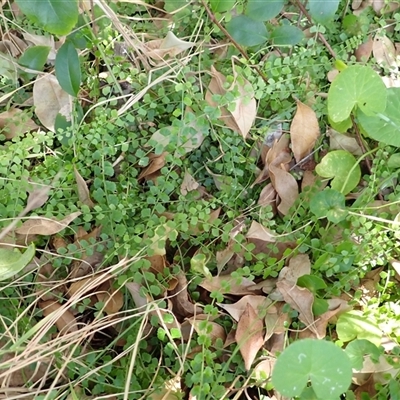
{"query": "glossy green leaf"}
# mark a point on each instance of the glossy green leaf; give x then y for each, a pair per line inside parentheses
(247, 31)
(329, 204)
(263, 10)
(306, 360)
(13, 261)
(312, 282)
(323, 11)
(57, 17)
(68, 69)
(286, 35)
(319, 307)
(34, 57)
(342, 167)
(385, 126)
(356, 86)
(354, 324)
(222, 5)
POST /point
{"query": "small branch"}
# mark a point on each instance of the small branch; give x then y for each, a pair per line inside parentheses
(320, 35)
(234, 42)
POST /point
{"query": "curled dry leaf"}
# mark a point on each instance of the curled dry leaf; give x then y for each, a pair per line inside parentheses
(268, 197)
(241, 119)
(155, 164)
(45, 226)
(112, 298)
(188, 184)
(65, 321)
(49, 100)
(249, 335)
(384, 52)
(181, 303)
(83, 190)
(304, 131)
(258, 231)
(15, 122)
(260, 305)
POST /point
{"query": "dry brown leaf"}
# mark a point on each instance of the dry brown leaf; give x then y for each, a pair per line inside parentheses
(304, 131)
(286, 186)
(299, 265)
(301, 300)
(364, 50)
(15, 122)
(225, 284)
(49, 100)
(249, 335)
(45, 226)
(268, 197)
(188, 184)
(276, 321)
(382, 7)
(263, 370)
(384, 52)
(155, 164)
(260, 305)
(158, 265)
(366, 390)
(18, 45)
(223, 256)
(134, 290)
(181, 302)
(83, 190)
(66, 322)
(242, 117)
(257, 231)
(113, 299)
(168, 47)
(341, 141)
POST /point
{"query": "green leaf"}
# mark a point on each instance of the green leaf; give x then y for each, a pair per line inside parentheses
(343, 168)
(357, 349)
(323, 11)
(306, 360)
(34, 57)
(13, 261)
(385, 126)
(354, 324)
(394, 161)
(263, 10)
(356, 86)
(319, 307)
(329, 204)
(286, 35)
(247, 31)
(57, 17)
(312, 282)
(68, 69)
(341, 126)
(222, 5)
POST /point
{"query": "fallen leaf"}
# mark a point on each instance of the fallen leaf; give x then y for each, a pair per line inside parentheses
(65, 321)
(342, 141)
(268, 197)
(216, 332)
(45, 226)
(182, 305)
(304, 131)
(15, 122)
(276, 321)
(225, 284)
(112, 298)
(301, 300)
(384, 52)
(49, 100)
(134, 290)
(249, 335)
(258, 231)
(83, 190)
(155, 164)
(260, 305)
(242, 117)
(364, 50)
(299, 265)
(39, 40)
(188, 184)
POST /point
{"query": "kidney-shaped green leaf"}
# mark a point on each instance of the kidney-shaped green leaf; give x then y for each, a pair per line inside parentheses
(384, 127)
(13, 261)
(321, 362)
(263, 10)
(323, 11)
(286, 35)
(329, 204)
(58, 17)
(357, 86)
(343, 168)
(246, 31)
(68, 69)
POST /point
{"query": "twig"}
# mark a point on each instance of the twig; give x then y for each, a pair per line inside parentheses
(234, 42)
(320, 35)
